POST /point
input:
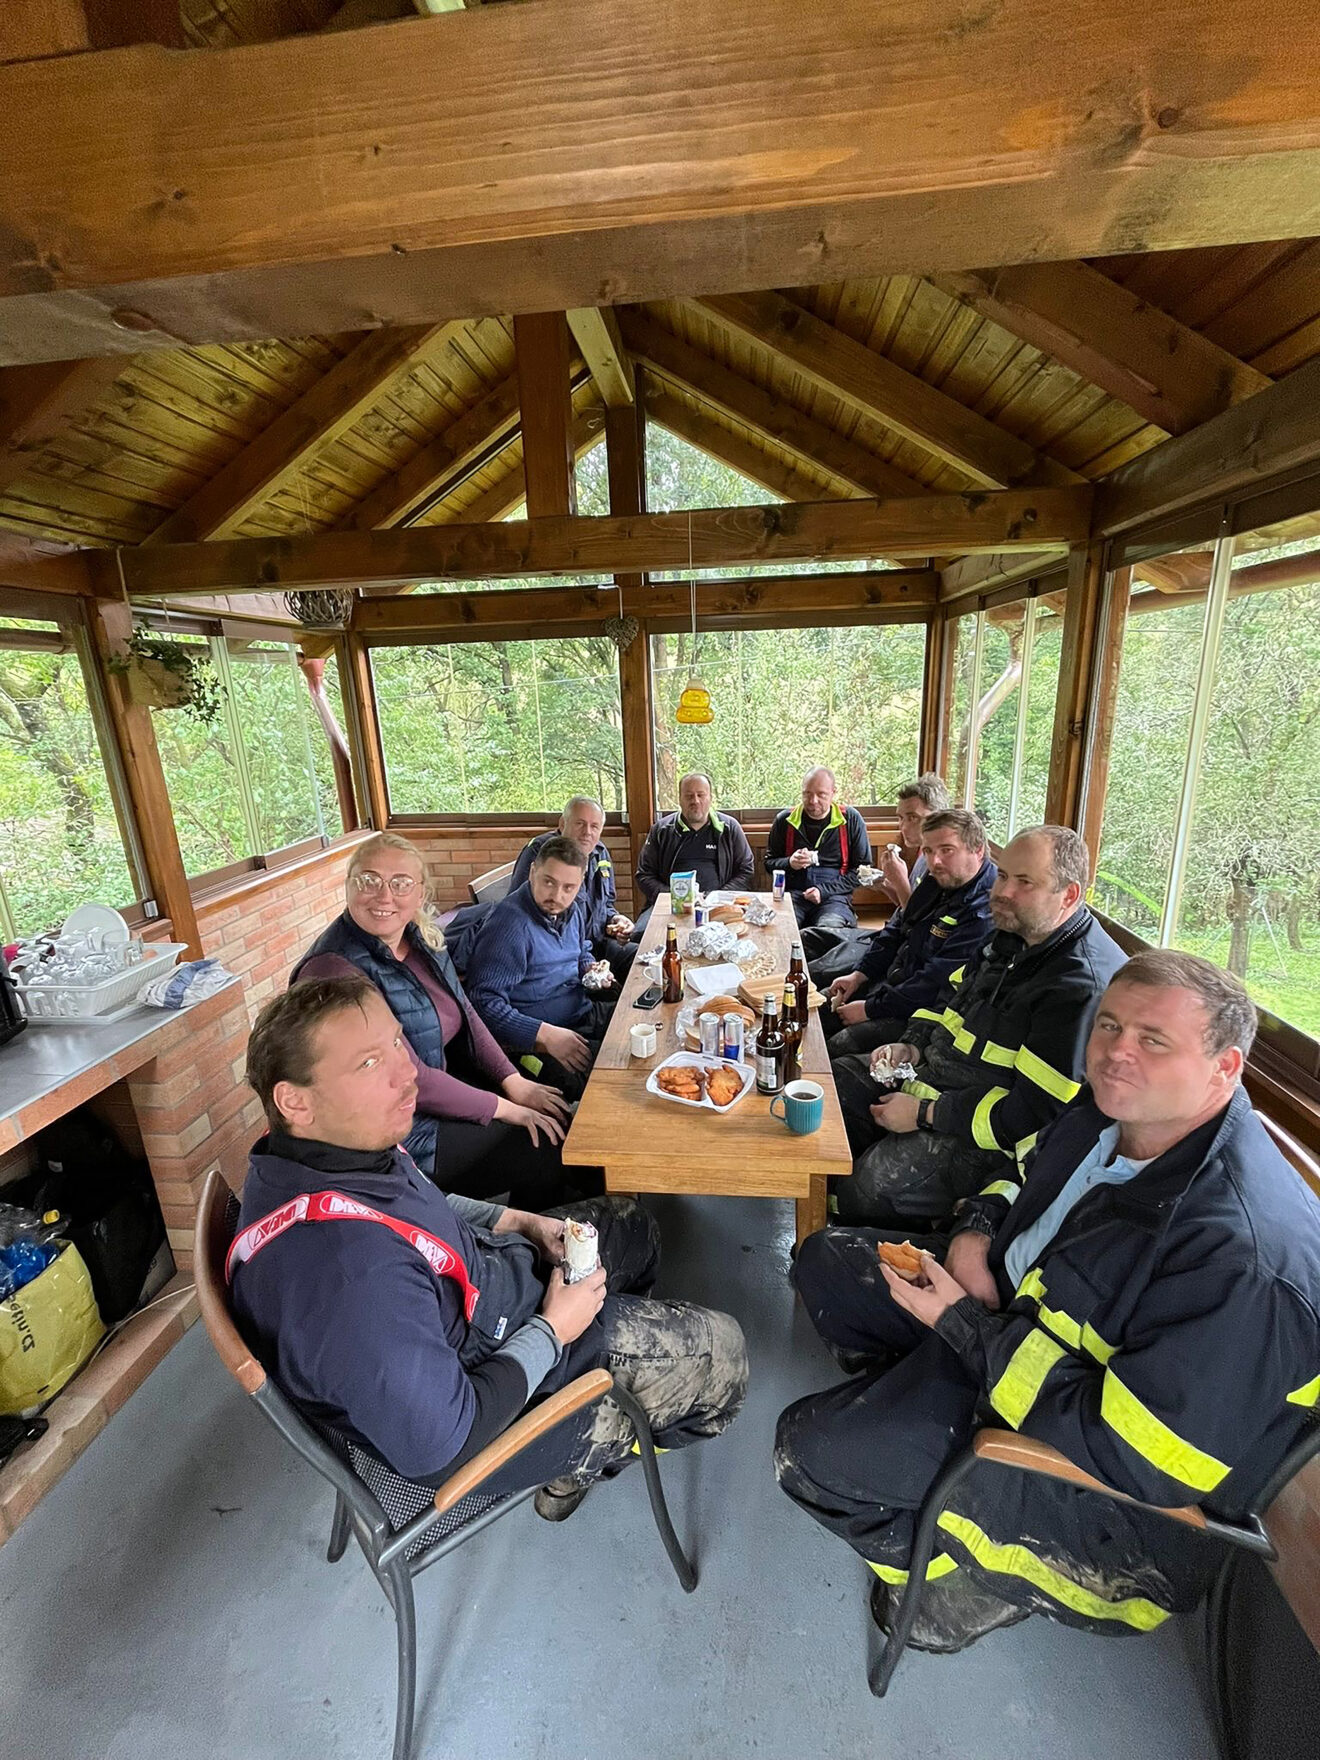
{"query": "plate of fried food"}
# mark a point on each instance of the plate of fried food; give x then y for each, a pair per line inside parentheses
(692, 1080)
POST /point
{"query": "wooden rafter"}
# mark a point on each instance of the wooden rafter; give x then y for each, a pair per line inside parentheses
(596, 332)
(810, 440)
(543, 348)
(493, 420)
(240, 192)
(983, 574)
(1167, 372)
(320, 415)
(713, 537)
(866, 381)
(720, 443)
(33, 28)
(38, 403)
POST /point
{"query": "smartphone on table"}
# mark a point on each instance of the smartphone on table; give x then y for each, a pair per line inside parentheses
(650, 997)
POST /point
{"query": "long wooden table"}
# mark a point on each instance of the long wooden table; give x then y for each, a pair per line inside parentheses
(647, 1144)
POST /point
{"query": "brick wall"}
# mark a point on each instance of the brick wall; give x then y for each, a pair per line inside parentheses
(453, 857)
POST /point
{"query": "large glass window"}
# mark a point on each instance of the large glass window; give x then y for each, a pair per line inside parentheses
(786, 699)
(1212, 816)
(500, 727)
(60, 843)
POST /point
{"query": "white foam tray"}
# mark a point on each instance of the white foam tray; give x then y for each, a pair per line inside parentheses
(694, 1060)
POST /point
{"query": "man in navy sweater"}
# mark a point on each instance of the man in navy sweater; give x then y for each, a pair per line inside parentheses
(421, 1325)
(583, 820)
(525, 973)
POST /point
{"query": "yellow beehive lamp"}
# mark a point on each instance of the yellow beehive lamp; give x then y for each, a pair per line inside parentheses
(694, 708)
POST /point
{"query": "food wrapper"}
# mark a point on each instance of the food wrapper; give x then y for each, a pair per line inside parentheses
(581, 1250)
(868, 875)
(711, 941)
(598, 976)
(683, 892)
(891, 1075)
(759, 915)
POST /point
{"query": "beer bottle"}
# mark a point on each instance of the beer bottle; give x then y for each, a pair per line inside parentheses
(671, 967)
(797, 974)
(794, 1028)
(770, 1050)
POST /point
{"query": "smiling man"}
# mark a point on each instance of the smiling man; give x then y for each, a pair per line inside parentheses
(1149, 1305)
(421, 1324)
(997, 1054)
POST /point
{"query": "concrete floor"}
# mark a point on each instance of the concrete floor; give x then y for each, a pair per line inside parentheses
(171, 1598)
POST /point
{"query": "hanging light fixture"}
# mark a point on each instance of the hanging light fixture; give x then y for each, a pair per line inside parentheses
(694, 708)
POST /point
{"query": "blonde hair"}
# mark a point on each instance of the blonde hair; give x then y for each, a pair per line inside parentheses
(428, 924)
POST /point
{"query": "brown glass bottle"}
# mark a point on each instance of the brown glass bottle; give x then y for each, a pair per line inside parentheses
(793, 1030)
(797, 977)
(671, 967)
(770, 1049)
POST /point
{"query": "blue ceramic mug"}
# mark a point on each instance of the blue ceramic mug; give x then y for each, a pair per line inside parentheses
(804, 1107)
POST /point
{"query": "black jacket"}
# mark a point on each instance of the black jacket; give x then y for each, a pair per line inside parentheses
(718, 853)
(842, 847)
(1003, 1049)
(1167, 1340)
(909, 961)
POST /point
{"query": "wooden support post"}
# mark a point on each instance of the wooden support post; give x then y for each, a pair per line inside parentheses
(1109, 658)
(358, 685)
(111, 625)
(933, 733)
(1063, 797)
(542, 344)
(625, 441)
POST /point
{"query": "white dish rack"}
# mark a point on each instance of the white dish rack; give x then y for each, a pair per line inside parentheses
(58, 1004)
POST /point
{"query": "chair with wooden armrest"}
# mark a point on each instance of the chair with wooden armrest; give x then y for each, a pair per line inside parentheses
(493, 885)
(402, 1527)
(1006, 1448)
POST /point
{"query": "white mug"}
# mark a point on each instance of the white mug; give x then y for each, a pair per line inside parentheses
(642, 1039)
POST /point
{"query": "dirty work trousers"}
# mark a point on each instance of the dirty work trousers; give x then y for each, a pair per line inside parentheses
(686, 1366)
(860, 1457)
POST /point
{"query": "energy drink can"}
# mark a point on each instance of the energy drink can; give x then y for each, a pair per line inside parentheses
(777, 885)
(708, 1027)
(699, 916)
(731, 1038)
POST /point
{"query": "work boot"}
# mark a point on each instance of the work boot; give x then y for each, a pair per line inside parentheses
(953, 1613)
(556, 1501)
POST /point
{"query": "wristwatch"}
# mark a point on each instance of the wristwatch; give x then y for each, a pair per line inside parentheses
(923, 1115)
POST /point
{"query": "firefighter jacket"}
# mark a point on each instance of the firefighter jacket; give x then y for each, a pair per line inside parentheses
(1003, 1049)
(1167, 1339)
(840, 842)
(909, 961)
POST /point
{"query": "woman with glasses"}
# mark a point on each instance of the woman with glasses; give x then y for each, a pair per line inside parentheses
(480, 1128)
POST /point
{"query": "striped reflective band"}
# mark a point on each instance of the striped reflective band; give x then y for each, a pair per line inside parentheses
(1306, 1396)
(1153, 1440)
(1063, 1326)
(1035, 1069)
(921, 1090)
(1023, 1147)
(531, 1063)
(992, 1053)
(999, 1188)
(958, 976)
(963, 1041)
(983, 1132)
(948, 919)
(926, 1014)
(1016, 1561)
(1015, 1392)
(939, 1566)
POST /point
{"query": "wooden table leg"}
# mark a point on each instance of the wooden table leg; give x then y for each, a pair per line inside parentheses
(811, 1211)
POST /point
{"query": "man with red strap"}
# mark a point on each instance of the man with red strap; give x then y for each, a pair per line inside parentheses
(820, 846)
(421, 1324)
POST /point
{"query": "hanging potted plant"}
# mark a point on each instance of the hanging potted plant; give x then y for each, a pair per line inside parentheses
(165, 674)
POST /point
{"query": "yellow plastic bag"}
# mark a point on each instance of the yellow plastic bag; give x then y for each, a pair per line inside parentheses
(48, 1329)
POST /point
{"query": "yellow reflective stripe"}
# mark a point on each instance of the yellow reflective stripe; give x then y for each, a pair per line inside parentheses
(958, 976)
(926, 1014)
(921, 1090)
(1053, 1081)
(532, 1064)
(983, 1133)
(992, 1053)
(948, 919)
(1095, 1345)
(1063, 1326)
(1017, 1561)
(1016, 1390)
(1306, 1396)
(637, 1448)
(999, 1188)
(1153, 1440)
(1023, 1147)
(939, 1566)
(1032, 1285)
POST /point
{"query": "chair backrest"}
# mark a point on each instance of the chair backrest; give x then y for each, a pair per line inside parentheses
(1293, 1152)
(491, 887)
(217, 1219)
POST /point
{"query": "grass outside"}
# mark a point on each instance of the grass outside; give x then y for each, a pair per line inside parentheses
(1280, 979)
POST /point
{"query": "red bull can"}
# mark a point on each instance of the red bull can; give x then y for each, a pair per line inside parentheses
(777, 885)
(731, 1038)
(699, 916)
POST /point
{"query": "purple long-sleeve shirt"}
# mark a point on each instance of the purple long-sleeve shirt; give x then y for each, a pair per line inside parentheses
(439, 1093)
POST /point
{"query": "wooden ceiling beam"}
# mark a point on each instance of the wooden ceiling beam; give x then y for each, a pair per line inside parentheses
(713, 538)
(281, 189)
(442, 614)
(969, 575)
(887, 393)
(38, 403)
(324, 412)
(1265, 436)
(804, 436)
(596, 332)
(489, 421)
(727, 448)
(542, 345)
(1169, 373)
(30, 29)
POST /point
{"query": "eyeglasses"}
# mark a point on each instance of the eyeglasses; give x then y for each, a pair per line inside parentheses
(399, 884)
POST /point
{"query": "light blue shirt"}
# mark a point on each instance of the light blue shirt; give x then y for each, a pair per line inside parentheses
(1102, 1167)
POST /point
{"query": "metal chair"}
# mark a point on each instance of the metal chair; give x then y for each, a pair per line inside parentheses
(401, 1527)
(1005, 1448)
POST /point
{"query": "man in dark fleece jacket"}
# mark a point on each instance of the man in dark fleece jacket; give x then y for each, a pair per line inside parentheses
(419, 1325)
(819, 846)
(525, 973)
